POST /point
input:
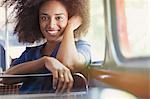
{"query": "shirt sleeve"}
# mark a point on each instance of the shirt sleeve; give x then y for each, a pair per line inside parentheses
(23, 58)
(83, 47)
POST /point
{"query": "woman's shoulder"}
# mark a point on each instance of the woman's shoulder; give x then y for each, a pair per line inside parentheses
(82, 42)
(33, 49)
(30, 53)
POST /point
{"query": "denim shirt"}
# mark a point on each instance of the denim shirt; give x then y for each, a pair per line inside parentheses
(44, 84)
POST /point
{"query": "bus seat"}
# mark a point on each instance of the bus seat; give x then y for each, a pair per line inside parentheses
(80, 84)
(2, 58)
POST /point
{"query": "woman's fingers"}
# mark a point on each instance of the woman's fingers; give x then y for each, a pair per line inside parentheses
(60, 82)
(62, 77)
(74, 22)
(71, 81)
(65, 82)
(55, 79)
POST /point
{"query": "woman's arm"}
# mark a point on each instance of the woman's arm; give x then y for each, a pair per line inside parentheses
(23, 68)
(62, 78)
(67, 52)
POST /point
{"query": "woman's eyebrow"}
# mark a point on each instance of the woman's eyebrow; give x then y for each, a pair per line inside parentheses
(43, 13)
(60, 14)
(55, 14)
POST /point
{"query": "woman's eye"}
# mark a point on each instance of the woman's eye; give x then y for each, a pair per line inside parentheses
(43, 18)
(59, 18)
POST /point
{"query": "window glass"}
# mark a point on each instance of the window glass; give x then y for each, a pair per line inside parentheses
(2, 39)
(134, 27)
(96, 35)
(2, 26)
(12, 44)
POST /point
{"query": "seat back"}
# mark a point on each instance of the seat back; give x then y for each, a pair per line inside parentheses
(9, 89)
(80, 83)
(2, 58)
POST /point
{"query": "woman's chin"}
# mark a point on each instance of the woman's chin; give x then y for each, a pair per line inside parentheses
(55, 39)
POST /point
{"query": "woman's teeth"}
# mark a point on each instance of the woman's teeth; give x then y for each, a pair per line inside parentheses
(52, 32)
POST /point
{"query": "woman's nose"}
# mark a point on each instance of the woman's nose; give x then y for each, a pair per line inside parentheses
(52, 22)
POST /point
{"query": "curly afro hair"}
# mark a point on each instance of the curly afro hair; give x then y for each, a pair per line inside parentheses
(27, 17)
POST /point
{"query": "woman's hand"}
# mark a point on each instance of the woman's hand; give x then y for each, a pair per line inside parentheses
(62, 77)
(74, 22)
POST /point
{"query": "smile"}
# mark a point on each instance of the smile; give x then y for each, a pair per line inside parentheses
(52, 32)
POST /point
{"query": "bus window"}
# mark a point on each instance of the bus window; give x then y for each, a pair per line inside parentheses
(134, 27)
(2, 26)
(96, 35)
(7, 39)
(2, 39)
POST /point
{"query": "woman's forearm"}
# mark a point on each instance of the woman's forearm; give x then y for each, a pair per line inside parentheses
(23, 68)
(68, 53)
(27, 67)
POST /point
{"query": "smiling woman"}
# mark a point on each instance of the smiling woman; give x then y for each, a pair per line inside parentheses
(56, 29)
(62, 23)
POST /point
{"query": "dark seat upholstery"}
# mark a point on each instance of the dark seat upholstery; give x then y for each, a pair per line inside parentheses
(80, 84)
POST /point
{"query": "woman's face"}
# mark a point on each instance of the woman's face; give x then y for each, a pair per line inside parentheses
(53, 18)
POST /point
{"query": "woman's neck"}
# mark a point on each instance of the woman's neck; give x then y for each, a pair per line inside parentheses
(48, 48)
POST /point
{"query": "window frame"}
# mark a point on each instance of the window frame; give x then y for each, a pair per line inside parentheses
(113, 41)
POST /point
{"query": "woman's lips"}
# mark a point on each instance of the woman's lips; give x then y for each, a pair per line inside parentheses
(52, 32)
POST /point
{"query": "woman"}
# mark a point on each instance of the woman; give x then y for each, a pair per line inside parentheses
(62, 23)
